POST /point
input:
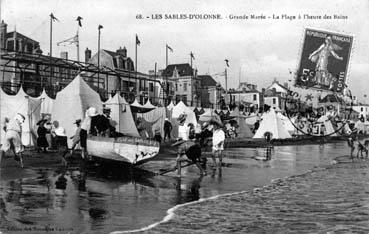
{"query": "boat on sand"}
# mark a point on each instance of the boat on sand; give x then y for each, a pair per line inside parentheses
(130, 150)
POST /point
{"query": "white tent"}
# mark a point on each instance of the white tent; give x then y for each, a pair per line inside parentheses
(46, 103)
(138, 108)
(149, 105)
(271, 123)
(287, 123)
(170, 106)
(362, 126)
(72, 102)
(181, 108)
(25, 105)
(121, 116)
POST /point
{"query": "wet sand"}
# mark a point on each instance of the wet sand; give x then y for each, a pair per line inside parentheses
(101, 198)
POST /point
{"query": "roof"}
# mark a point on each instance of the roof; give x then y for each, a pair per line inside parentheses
(11, 35)
(114, 54)
(184, 69)
(330, 98)
(278, 84)
(244, 91)
(207, 81)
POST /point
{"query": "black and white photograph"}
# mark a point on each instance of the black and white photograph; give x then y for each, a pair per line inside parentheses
(172, 116)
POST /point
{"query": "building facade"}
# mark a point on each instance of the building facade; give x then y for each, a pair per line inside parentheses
(275, 95)
(211, 92)
(187, 86)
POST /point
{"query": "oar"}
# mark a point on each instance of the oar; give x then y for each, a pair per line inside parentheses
(175, 168)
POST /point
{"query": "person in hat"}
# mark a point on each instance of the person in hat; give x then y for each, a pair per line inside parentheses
(61, 139)
(192, 151)
(183, 129)
(12, 139)
(42, 142)
(104, 126)
(76, 138)
(94, 122)
(85, 129)
(218, 141)
(167, 129)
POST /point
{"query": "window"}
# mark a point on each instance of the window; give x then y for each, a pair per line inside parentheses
(274, 101)
(184, 86)
(255, 97)
(362, 108)
(184, 99)
(176, 87)
(151, 85)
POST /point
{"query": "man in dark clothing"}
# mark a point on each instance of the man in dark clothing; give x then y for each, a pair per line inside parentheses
(167, 129)
(256, 125)
(100, 124)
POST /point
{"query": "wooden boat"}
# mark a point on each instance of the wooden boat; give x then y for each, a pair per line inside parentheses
(131, 150)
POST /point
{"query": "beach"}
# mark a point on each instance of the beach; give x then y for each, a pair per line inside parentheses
(103, 198)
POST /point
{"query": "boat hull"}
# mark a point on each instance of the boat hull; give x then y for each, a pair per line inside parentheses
(129, 150)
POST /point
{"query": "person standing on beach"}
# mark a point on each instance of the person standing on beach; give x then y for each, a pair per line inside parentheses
(85, 128)
(192, 151)
(218, 142)
(76, 138)
(13, 140)
(167, 129)
(183, 129)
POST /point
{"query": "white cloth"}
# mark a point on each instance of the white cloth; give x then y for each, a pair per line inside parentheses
(218, 139)
(86, 123)
(183, 132)
(14, 125)
(60, 131)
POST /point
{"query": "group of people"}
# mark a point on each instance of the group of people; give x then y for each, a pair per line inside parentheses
(190, 142)
(51, 136)
(355, 144)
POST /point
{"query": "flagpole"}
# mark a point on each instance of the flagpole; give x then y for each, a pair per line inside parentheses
(98, 60)
(191, 58)
(166, 56)
(77, 44)
(51, 48)
(139, 82)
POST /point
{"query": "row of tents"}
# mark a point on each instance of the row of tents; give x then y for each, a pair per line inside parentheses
(71, 103)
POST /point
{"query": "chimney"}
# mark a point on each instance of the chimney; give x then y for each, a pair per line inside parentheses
(122, 52)
(87, 55)
(3, 32)
(263, 90)
(64, 55)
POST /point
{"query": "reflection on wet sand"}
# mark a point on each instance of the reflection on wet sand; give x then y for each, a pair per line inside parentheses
(95, 196)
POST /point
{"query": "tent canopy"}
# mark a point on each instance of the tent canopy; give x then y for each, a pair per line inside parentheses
(181, 108)
(271, 123)
(121, 116)
(75, 99)
(27, 106)
(138, 108)
(149, 105)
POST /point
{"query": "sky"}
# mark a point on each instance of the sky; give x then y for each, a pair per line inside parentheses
(258, 50)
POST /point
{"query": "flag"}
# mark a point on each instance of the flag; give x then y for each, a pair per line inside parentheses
(53, 18)
(227, 62)
(193, 57)
(79, 18)
(137, 40)
(100, 27)
(69, 41)
(171, 50)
